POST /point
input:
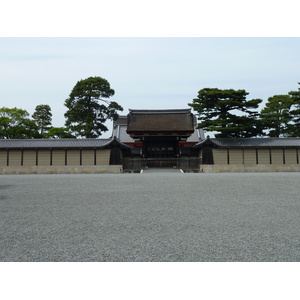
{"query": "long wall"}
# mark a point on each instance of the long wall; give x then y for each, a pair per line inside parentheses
(56, 161)
(254, 160)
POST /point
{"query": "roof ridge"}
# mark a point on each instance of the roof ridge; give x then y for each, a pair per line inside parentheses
(159, 111)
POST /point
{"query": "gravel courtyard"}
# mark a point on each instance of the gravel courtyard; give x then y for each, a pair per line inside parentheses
(157, 217)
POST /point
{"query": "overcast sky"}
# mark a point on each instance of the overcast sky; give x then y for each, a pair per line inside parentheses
(146, 73)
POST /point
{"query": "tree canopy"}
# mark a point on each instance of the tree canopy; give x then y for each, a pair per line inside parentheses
(227, 112)
(42, 118)
(294, 129)
(89, 109)
(59, 133)
(276, 116)
(16, 124)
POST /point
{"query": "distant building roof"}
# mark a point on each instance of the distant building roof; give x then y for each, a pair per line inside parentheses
(122, 120)
(196, 136)
(120, 132)
(154, 121)
(250, 143)
(57, 143)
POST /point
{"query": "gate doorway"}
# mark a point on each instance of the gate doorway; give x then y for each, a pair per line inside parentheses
(160, 152)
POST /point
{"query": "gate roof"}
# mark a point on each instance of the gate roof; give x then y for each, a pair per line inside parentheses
(177, 121)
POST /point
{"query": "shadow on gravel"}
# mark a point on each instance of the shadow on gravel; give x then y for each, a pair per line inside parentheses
(4, 187)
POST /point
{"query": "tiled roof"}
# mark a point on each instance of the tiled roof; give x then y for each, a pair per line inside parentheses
(160, 111)
(251, 142)
(120, 131)
(178, 120)
(55, 143)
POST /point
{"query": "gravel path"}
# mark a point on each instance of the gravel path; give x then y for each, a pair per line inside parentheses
(150, 217)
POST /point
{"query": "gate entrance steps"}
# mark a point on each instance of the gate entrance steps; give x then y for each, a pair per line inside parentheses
(161, 170)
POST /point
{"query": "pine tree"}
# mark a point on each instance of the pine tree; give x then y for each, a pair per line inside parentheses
(227, 112)
(294, 129)
(42, 118)
(276, 115)
(85, 115)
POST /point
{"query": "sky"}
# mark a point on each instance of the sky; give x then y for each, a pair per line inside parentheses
(145, 72)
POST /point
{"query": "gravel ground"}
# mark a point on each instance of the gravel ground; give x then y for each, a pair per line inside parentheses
(150, 217)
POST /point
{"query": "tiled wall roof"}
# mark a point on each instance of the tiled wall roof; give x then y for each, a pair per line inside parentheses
(53, 143)
(251, 142)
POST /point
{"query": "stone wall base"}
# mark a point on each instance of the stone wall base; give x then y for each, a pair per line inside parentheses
(250, 168)
(62, 169)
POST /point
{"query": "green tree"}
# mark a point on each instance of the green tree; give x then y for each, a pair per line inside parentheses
(294, 129)
(276, 115)
(43, 118)
(15, 124)
(59, 133)
(227, 112)
(89, 109)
